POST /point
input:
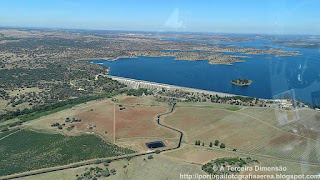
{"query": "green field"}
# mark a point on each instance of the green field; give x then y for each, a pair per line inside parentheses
(28, 150)
(3, 134)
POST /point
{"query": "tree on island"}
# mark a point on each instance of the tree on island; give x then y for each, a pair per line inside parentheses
(317, 106)
(241, 82)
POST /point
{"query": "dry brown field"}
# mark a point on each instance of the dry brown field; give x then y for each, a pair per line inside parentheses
(253, 130)
(201, 155)
(134, 126)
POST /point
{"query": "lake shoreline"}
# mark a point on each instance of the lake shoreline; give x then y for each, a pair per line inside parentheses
(135, 84)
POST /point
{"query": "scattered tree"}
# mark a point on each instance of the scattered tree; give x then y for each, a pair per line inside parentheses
(113, 171)
(105, 173)
(197, 142)
(216, 142)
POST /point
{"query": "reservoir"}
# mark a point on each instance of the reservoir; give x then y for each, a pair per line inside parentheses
(156, 144)
(271, 75)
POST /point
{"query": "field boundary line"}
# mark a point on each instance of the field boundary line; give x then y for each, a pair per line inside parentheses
(273, 126)
(261, 122)
(258, 155)
(68, 166)
(10, 134)
(92, 161)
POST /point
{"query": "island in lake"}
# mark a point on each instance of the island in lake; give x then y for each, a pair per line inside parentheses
(241, 82)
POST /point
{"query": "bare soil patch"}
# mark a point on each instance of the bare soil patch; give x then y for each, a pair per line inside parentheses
(202, 155)
(131, 100)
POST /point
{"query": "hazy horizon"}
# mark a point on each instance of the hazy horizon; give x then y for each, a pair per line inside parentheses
(243, 17)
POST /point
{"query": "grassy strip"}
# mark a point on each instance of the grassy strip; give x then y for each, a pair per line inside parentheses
(68, 104)
(3, 134)
(230, 108)
(40, 111)
(28, 150)
(36, 115)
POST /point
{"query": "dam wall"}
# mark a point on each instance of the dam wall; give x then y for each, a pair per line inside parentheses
(136, 84)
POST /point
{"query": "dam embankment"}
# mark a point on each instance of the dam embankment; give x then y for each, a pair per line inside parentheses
(136, 84)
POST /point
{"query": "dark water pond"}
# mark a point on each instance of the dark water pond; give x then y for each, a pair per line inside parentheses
(155, 144)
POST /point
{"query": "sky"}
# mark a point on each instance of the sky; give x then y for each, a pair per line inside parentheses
(220, 16)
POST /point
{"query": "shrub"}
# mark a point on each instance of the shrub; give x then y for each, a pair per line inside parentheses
(106, 164)
(113, 171)
(98, 161)
(129, 158)
(88, 176)
(105, 173)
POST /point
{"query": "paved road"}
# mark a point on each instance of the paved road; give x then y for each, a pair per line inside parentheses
(181, 133)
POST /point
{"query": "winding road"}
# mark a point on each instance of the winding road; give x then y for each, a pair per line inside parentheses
(88, 162)
(181, 133)
(100, 160)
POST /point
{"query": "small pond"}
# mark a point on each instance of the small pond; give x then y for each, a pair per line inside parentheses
(155, 144)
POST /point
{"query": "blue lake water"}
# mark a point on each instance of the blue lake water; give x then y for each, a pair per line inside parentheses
(270, 76)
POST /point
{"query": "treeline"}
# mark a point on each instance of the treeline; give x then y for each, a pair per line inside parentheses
(138, 92)
(37, 111)
(228, 98)
(216, 143)
(3, 94)
(316, 106)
